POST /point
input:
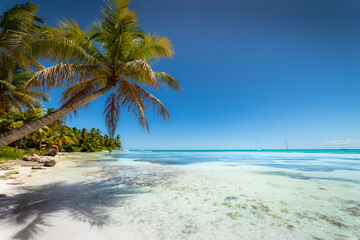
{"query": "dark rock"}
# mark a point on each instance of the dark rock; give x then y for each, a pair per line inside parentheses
(37, 168)
(52, 152)
(27, 158)
(49, 163)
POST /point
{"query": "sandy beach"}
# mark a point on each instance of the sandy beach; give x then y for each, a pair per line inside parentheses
(118, 198)
(18, 172)
(17, 176)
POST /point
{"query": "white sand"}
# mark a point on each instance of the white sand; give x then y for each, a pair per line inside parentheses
(135, 200)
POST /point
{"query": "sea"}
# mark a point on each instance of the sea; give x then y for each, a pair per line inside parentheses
(202, 194)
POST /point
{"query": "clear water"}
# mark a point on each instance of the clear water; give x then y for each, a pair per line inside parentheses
(302, 160)
(298, 194)
(303, 194)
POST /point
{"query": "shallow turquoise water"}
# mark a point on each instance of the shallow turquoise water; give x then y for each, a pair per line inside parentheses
(298, 194)
(302, 160)
(302, 194)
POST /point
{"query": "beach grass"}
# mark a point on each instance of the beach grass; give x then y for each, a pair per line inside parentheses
(8, 153)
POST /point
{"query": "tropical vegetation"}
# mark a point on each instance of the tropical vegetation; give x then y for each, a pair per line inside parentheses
(56, 135)
(14, 61)
(113, 57)
(7, 153)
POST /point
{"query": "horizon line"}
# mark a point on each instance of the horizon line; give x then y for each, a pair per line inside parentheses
(268, 149)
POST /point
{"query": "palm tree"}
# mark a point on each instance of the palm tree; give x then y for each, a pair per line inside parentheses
(13, 93)
(14, 60)
(39, 136)
(15, 119)
(117, 141)
(65, 136)
(113, 56)
(21, 18)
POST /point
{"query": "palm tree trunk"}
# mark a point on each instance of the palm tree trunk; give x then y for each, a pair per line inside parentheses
(17, 133)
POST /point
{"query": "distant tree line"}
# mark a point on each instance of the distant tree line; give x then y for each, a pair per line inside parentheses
(56, 135)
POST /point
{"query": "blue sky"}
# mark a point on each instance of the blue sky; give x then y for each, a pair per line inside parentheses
(250, 69)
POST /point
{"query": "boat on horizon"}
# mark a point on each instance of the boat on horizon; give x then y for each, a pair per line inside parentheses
(342, 146)
(286, 145)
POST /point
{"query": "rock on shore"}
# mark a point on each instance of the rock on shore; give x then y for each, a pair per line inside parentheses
(15, 172)
(47, 161)
(52, 152)
(33, 158)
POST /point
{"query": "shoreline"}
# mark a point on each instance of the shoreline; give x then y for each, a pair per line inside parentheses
(15, 173)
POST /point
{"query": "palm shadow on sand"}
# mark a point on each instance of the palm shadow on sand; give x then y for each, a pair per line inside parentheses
(84, 202)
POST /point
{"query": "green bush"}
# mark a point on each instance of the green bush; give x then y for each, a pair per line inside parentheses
(108, 148)
(76, 149)
(8, 153)
(32, 151)
(72, 148)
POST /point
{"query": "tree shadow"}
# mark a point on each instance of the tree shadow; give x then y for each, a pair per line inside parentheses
(83, 201)
(303, 177)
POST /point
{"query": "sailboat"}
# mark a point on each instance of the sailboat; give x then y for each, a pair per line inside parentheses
(286, 144)
(342, 146)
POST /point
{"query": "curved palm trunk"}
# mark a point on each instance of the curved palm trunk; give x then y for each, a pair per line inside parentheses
(17, 133)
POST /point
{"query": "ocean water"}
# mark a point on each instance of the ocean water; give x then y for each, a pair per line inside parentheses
(303, 194)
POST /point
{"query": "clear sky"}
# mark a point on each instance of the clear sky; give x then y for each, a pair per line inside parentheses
(250, 69)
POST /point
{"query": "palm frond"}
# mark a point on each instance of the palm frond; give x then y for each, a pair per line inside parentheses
(7, 102)
(139, 71)
(116, 30)
(21, 16)
(149, 99)
(130, 97)
(22, 58)
(39, 95)
(78, 91)
(112, 112)
(152, 47)
(73, 32)
(53, 45)
(166, 80)
(26, 100)
(6, 84)
(62, 75)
